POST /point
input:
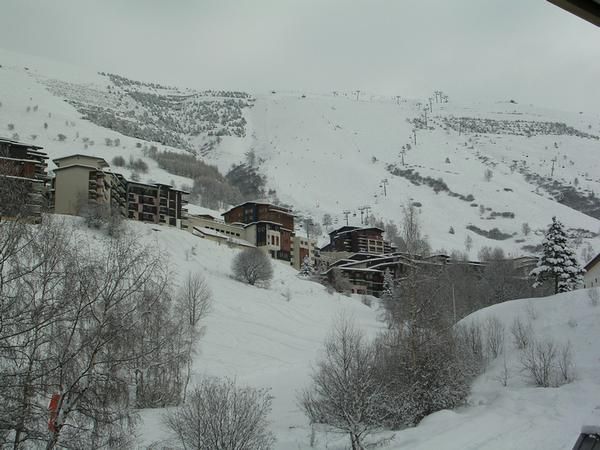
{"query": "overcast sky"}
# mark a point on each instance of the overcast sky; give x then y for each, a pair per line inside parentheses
(528, 50)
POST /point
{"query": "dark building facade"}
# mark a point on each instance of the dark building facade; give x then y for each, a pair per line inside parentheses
(23, 179)
(355, 239)
(269, 227)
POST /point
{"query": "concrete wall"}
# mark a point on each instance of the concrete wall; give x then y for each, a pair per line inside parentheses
(592, 277)
(303, 247)
(71, 186)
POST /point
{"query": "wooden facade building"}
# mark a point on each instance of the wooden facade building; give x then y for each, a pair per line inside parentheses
(23, 179)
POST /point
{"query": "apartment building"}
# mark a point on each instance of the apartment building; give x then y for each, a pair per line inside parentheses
(267, 226)
(82, 181)
(158, 203)
(23, 180)
(356, 239)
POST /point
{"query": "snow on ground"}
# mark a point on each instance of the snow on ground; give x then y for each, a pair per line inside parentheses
(258, 337)
(520, 416)
(254, 334)
(318, 153)
(327, 154)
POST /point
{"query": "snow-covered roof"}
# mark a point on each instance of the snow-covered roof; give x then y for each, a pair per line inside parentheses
(261, 202)
(592, 263)
(591, 429)
(22, 144)
(85, 166)
(214, 233)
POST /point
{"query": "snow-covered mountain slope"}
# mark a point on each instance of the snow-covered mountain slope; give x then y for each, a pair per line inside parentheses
(330, 153)
(263, 340)
(518, 415)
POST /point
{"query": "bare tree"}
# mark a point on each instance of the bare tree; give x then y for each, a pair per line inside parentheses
(522, 333)
(90, 327)
(222, 416)
(538, 360)
(345, 393)
(252, 266)
(195, 299)
(411, 231)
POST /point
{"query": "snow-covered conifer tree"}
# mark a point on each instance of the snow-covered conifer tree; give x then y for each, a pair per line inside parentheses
(307, 269)
(558, 261)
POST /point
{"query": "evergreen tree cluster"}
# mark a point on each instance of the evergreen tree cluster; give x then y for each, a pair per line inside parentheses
(558, 261)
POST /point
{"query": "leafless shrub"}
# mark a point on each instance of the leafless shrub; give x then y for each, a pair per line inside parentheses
(566, 366)
(548, 364)
(494, 336)
(522, 333)
(366, 300)
(118, 161)
(252, 266)
(219, 415)
(345, 393)
(339, 282)
(470, 337)
(539, 360)
(505, 372)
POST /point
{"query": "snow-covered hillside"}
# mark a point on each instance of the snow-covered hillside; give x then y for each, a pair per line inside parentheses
(329, 153)
(257, 336)
(519, 415)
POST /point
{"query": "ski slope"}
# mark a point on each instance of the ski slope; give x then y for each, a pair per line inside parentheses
(328, 153)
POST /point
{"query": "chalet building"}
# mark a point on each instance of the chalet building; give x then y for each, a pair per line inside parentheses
(355, 239)
(591, 277)
(83, 181)
(365, 271)
(23, 179)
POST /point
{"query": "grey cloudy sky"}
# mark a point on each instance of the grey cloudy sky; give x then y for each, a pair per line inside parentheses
(495, 49)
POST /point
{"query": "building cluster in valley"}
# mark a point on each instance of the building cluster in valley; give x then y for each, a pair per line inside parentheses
(82, 183)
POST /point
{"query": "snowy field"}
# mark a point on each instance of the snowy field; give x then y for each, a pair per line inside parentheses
(262, 340)
(255, 334)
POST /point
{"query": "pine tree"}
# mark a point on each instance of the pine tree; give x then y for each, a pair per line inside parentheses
(558, 261)
(307, 269)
